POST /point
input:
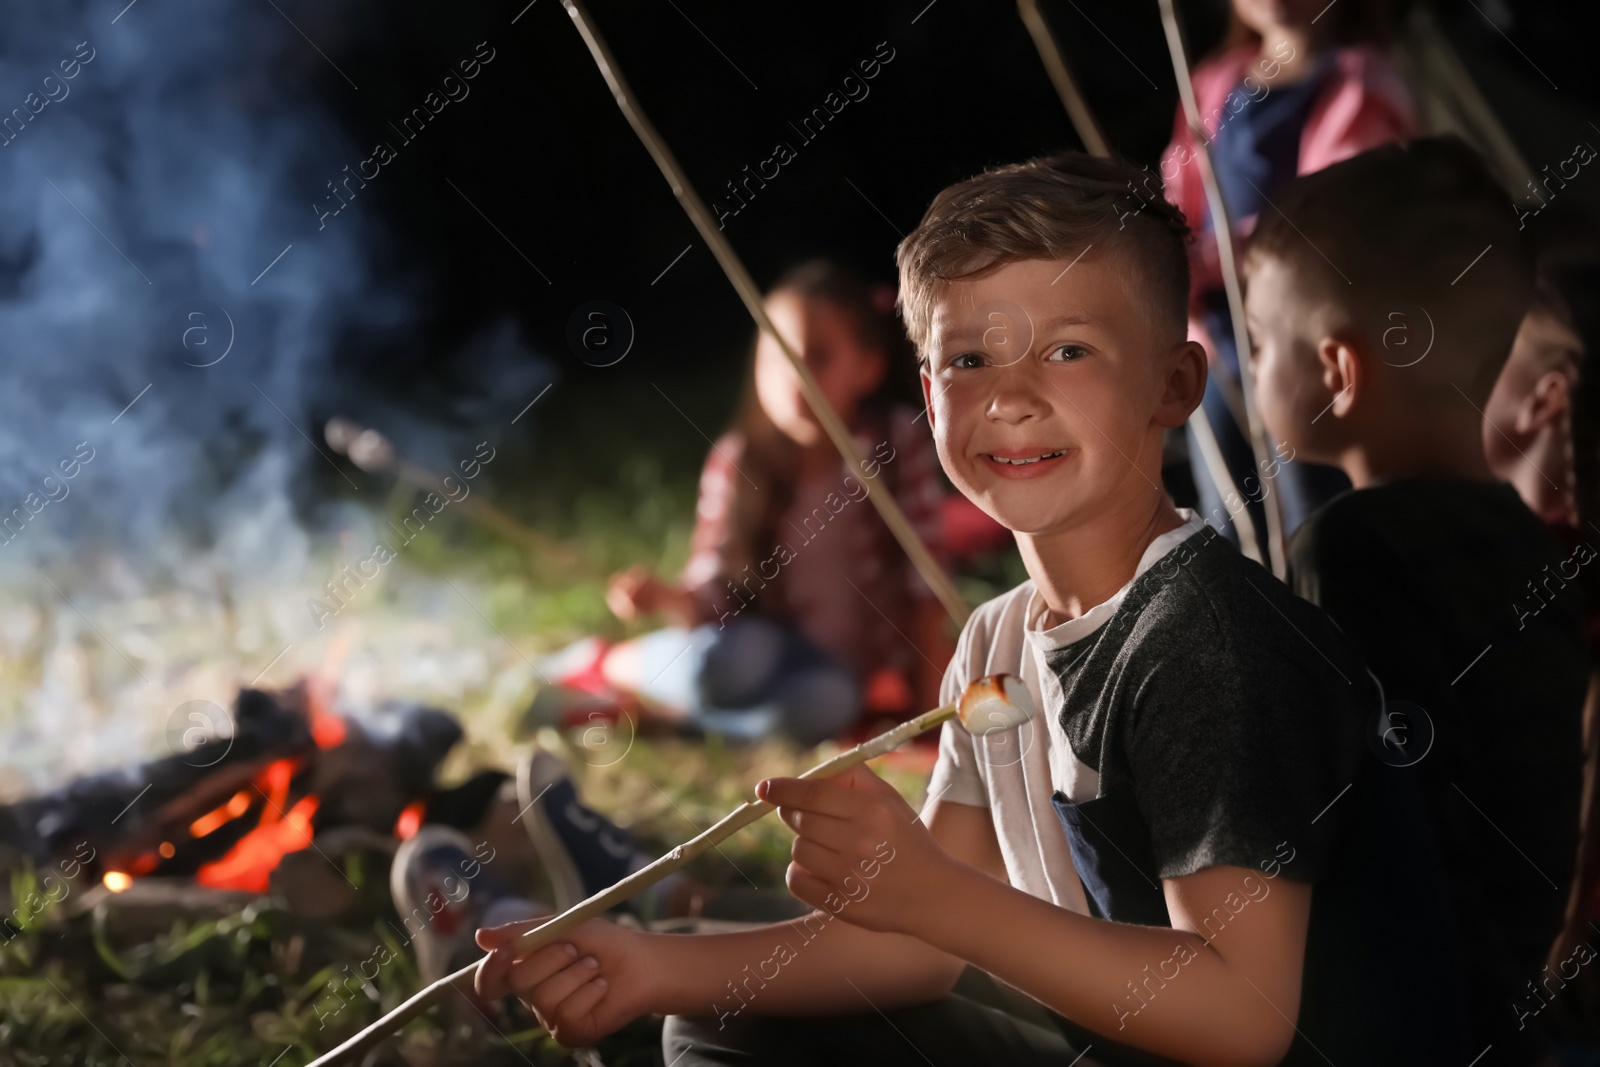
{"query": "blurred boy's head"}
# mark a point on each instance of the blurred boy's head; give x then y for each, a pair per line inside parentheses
(1384, 294)
(1047, 303)
(1539, 430)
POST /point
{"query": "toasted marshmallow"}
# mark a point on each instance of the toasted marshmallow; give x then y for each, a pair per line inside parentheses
(994, 702)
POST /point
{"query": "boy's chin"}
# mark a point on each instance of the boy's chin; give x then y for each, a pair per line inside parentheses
(1028, 521)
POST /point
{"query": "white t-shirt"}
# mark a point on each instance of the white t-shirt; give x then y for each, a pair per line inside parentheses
(1014, 774)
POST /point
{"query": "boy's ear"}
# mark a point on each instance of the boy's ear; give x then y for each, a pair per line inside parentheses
(1550, 399)
(1344, 372)
(926, 378)
(1185, 385)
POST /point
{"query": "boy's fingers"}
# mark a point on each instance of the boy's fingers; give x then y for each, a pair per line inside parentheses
(490, 981)
(823, 829)
(548, 991)
(808, 794)
(532, 969)
(814, 857)
(805, 886)
(489, 937)
(581, 1001)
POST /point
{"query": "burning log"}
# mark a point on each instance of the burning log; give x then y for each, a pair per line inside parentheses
(290, 768)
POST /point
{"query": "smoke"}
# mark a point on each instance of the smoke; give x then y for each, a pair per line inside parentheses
(174, 332)
(168, 303)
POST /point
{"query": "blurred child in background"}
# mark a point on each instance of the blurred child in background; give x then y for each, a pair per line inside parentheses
(1296, 85)
(1431, 563)
(1541, 433)
(796, 609)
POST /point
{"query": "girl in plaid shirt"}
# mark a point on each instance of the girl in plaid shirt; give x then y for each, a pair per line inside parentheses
(796, 609)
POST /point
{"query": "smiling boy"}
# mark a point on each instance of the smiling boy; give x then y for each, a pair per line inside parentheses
(1180, 857)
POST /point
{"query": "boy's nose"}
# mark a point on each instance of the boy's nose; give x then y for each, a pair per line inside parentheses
(1018, 400)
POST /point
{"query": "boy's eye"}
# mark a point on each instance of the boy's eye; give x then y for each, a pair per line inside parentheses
(1068, 353)
(967, 360)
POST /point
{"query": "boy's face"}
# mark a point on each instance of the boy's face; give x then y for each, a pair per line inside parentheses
(1290, 392)
(1047, 392)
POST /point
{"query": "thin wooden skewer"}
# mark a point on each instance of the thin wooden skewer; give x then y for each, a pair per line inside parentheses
(1222, 230)
(731, 265)
(739, 818)
(1055, 65)
(1089, 132)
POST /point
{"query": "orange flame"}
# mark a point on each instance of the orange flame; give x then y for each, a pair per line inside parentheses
(327, 727)
(253, 858)
(116, 881)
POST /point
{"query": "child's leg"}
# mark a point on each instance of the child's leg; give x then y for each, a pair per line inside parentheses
(952, 1030)
(661, 668)
(748, 680)
(761, 679)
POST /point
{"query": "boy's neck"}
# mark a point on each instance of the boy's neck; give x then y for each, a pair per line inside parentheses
(1453, 451)
(1076, 569)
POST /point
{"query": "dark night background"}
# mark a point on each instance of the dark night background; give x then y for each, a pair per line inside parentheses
(541, 148)
(200, 141)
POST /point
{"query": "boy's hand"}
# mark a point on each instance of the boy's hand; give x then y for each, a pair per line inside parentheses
(860, 852)
(577, 1001)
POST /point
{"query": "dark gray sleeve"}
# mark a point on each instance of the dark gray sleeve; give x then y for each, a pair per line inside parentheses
(1234, 748)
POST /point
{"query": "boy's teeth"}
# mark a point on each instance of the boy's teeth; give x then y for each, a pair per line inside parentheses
(1018, 462)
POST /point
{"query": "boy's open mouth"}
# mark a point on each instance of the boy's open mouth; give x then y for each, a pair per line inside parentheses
(1017, 461)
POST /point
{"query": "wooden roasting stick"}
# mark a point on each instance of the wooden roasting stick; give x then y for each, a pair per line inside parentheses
(1055, 64)
(893, 517)
(1094, 141)
(1222, 230)
(994, 703)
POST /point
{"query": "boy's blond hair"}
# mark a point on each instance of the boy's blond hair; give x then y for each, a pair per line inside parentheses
(1057, 208)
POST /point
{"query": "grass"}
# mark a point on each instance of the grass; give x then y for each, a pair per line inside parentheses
(456, 621)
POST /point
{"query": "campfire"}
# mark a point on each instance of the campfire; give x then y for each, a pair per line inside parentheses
(287, 766)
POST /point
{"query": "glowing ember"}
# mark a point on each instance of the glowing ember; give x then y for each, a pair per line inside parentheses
(116, 881)
(234, 808)
(253, 858)
(409, 822)
(327, 728)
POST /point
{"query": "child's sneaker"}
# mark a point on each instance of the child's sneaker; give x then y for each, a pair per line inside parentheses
(443, 892)
(583, 851)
